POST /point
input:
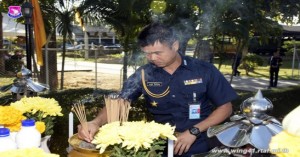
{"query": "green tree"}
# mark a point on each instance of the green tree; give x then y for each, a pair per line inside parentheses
(65, 14)
(126, 17)
(238, 20)
(182, 16)
(287, 11)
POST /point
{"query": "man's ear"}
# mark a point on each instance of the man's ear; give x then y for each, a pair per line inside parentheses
(175, 45)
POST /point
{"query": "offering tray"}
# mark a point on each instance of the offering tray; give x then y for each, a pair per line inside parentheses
(79, 151)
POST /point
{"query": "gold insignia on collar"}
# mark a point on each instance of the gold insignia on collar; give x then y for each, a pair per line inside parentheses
(154, 104)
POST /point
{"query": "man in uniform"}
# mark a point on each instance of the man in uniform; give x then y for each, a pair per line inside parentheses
(179, 90)
(275, 63)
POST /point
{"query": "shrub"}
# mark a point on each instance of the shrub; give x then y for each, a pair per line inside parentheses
(289, 46)
(250, 62)
(13, 65)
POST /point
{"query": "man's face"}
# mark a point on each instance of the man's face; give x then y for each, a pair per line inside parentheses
(161, 54)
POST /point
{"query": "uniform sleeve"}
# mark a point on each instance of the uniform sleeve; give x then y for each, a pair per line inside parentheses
(219, 91)
(132, 88)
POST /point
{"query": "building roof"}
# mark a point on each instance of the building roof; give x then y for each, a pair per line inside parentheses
(291, 31)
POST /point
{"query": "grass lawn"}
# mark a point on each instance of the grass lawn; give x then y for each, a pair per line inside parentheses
(286, 72)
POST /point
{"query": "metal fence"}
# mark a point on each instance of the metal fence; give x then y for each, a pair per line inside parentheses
(82, 69)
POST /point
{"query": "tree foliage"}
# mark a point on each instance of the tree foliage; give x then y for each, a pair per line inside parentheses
(126, 17)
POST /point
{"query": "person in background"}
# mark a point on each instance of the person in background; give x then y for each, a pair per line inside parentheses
(18, 55)
(275, 63)
(185, 92)
(235, 64)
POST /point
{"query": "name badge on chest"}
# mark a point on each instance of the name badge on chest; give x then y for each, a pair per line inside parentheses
(194, 108)
(194, 111)
(154, 84)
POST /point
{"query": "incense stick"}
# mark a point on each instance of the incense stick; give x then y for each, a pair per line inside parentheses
(117, 109)
(79, 111)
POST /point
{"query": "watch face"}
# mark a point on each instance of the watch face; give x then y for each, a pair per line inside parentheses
(195, 131)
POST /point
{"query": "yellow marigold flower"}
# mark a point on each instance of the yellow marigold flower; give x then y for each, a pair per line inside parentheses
(40, 126)
(16, 126)
(28, 152)
(285, 145)
(9, 115)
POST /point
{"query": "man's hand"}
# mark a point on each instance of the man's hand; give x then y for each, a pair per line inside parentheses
(184, 142)
(88, 135)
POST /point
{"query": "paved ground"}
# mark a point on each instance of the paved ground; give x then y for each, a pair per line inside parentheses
(114, 70)
(253, 84)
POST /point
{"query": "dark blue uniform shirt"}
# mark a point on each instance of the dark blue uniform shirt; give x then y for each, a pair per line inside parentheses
(191, 76)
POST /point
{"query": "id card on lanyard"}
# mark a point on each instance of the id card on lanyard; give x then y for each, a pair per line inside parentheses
(194, 108)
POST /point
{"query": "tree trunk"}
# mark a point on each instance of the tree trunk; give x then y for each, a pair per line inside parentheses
(125, 65)
(202, 51)
(125, 58)
(63, 62)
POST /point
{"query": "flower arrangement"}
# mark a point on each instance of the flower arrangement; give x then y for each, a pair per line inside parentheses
(11, 118)
(133, 138)
(42, 110)
(286, 143)
(28, 152)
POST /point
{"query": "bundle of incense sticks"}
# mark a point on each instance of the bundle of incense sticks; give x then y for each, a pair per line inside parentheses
(79, 111)
(117, 109)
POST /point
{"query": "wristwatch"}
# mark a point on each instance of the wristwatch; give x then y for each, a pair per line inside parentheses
(195, 131)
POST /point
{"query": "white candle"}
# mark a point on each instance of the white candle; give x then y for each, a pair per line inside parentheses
(170, 148)
(70, 124)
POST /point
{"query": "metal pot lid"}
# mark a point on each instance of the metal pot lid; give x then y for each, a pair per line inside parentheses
(36, 87)
(274, 128)
(256, 106)
(237, 117)
(260, 137)
(214, 130)
(235, 136)
(254, 126)
(239, 133)
(15, 89)
(24, 73)
(24, 83)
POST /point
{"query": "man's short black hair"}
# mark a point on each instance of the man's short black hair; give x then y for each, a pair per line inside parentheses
(156, 32)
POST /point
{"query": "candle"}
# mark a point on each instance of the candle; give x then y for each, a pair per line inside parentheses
(170, 148)
(70, 124)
